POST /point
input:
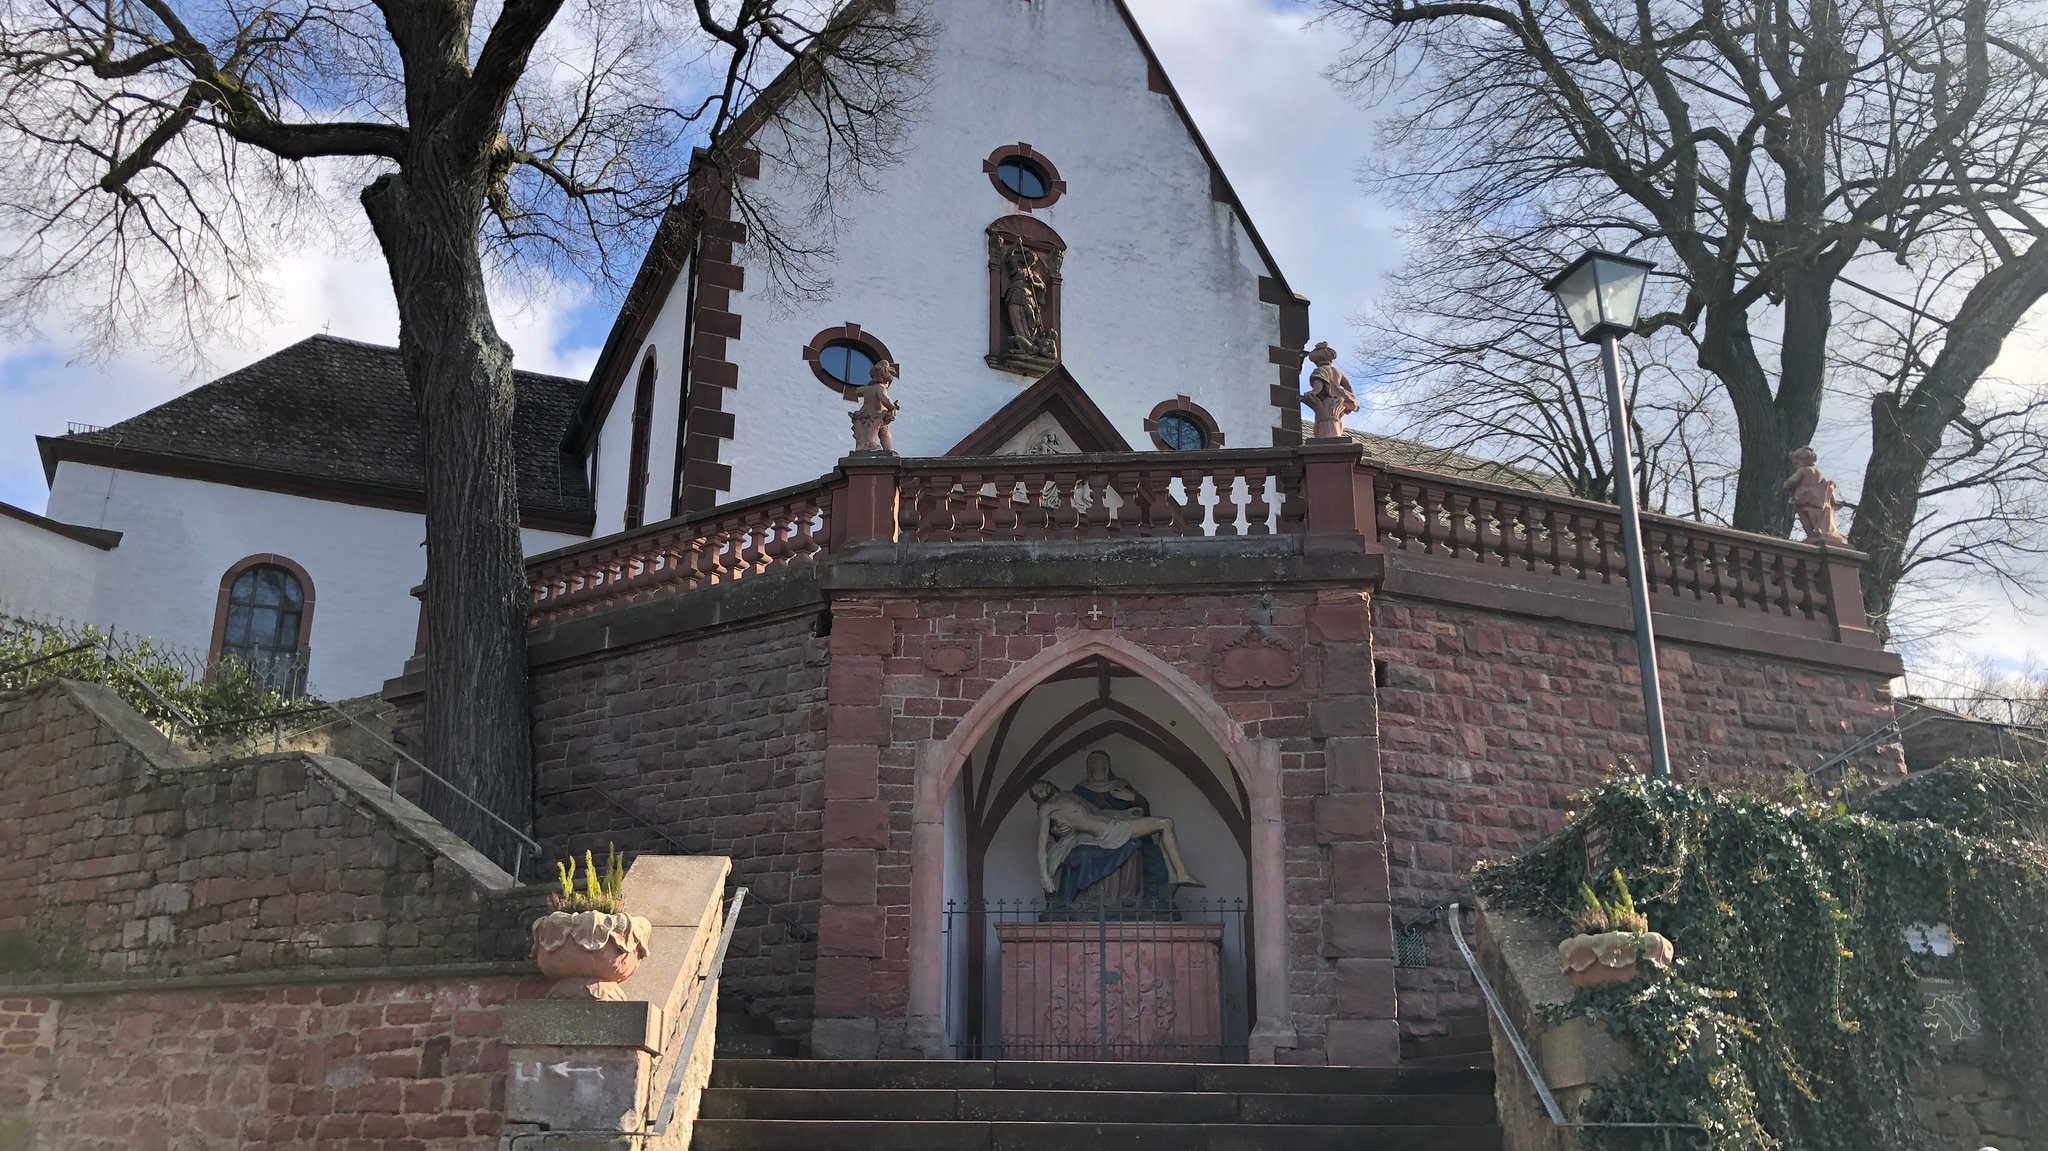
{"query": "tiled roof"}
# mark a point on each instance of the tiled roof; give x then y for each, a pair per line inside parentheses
(334, 413)
(1415, 454)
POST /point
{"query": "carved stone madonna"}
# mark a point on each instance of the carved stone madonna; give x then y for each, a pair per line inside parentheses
(1024, 261)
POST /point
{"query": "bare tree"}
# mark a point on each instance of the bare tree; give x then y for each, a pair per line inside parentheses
(1769, 154)
(160, 154)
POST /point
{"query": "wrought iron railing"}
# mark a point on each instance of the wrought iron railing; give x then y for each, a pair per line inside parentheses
(1107, 983)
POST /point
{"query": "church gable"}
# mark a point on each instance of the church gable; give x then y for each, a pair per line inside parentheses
(1052, 417)
(1054, 206)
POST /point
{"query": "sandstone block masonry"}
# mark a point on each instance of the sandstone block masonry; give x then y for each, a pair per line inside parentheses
(1489, 723)
(711, 745)
(268, 952)
(127, 860)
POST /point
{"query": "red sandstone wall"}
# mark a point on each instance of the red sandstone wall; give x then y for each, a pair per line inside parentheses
(373, 1064)
(121, 865)
(887, 701)
(1489, 723)
(720, 740)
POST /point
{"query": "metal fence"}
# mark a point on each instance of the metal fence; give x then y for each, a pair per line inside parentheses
(1157, 983)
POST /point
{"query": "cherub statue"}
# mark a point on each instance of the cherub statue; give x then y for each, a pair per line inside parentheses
(1813, 498)
(1329, 393)
(877, 410)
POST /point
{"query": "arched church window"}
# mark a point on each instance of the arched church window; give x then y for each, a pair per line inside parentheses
(1025, 259)
(1181, 425)
(1024, 176)
(263, 620)
(842, 357)
(643, 436)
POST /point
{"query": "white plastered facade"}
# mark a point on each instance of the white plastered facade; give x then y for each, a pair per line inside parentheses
(180, 536)
(1161, 280)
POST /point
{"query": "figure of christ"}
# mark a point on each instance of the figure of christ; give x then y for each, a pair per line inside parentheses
(1067, 823)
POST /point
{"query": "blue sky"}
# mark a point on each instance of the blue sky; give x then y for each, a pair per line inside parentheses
(1251, 73)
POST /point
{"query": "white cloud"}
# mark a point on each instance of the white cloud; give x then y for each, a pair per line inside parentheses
(1251, 74)
(45, 384)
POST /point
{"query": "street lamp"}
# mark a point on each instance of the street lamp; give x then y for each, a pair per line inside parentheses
(1601, 293)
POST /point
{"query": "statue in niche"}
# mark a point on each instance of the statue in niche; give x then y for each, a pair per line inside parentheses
(1087, 835)
(1812, 496)
(1026, 295)
(877, 410)
(1329, 393)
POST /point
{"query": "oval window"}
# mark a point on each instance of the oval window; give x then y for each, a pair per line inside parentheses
(1182, 433)
(846, 361)
(1023, 178)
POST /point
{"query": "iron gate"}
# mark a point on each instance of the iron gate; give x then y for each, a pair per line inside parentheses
(1166, 983)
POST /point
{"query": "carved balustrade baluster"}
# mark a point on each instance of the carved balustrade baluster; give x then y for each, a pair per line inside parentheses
(1095, 517)
(1781, 585)
(1258, 510)
(1196, 522)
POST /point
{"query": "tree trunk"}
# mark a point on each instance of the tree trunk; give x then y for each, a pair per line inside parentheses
(1905, 434)
(1728, 351)
(478, 733)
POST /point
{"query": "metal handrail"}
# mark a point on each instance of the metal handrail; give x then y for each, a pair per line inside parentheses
(26, 664)
(1521, 1049)
(679, 1061)
(525, 841)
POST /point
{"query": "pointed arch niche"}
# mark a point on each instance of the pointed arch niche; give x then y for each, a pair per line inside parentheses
(974, 837)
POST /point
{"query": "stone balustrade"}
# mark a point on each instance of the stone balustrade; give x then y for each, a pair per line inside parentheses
(1327, 496)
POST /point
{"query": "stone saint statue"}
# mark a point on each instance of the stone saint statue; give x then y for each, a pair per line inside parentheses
(1813, 497)
(877, 410)
(1329, 393)
(1079, 844)
(1025, 296)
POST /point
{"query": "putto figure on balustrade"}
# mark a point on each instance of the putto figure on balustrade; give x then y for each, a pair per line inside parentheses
(1329, 393)
(1812, 496)
(1089, 837)
(877, 410)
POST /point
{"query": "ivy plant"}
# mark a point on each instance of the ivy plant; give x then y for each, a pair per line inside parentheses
(1794, 1016)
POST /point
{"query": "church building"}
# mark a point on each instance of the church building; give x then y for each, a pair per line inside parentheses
(1095, 708)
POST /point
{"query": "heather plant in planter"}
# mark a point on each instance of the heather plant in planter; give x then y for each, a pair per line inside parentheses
(1614, 943)
(588, 944)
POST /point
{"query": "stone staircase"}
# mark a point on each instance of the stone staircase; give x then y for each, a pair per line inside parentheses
(814, 1105)
(1467, 1042)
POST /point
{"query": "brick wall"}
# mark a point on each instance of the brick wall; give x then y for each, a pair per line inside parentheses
(127, 862)
(370, 1064)
(718, 739)
(1489, 723)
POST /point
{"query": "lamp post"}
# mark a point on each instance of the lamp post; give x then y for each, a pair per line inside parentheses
(1601, 293)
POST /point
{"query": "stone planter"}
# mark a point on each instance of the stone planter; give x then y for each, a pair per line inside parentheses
(588, 953)
(1613, 957)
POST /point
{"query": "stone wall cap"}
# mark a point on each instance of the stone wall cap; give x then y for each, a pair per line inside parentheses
(676, 890)
(583, 1023)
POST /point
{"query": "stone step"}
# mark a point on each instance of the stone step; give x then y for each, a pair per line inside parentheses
(753, 1045)
(1471, 1061)
(1468, 1025)
(821, 1135)
(1098, 1107)
(942, 1075)
(1446, 1045)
